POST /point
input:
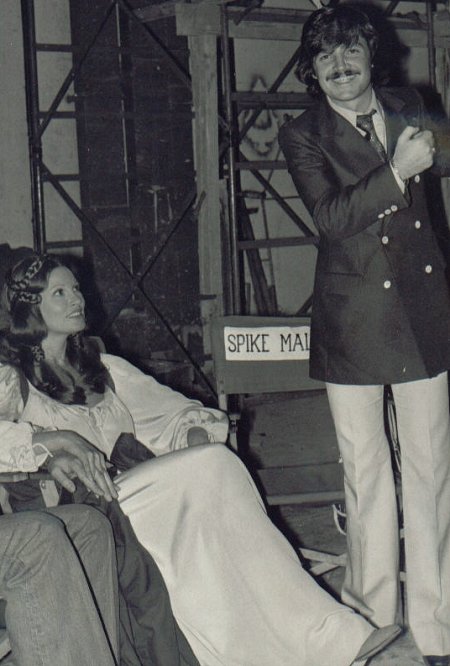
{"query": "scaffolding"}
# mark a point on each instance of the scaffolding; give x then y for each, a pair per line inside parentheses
(217, 202)
(117, 17)
(230, 22)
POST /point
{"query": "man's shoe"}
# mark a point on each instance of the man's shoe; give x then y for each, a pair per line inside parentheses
(431, 660)
(377, 641)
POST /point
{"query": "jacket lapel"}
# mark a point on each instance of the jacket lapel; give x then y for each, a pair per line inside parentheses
(336, 132)
(394, 115)
(343, 142)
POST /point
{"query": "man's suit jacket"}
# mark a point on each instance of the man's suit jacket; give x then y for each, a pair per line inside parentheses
(381, 310)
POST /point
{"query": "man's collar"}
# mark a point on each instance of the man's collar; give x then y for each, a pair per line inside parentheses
(350, 115)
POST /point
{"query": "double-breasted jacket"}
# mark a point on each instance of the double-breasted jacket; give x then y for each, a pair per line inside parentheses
(381, 308)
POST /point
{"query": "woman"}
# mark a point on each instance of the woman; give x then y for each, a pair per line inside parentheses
(237, 589)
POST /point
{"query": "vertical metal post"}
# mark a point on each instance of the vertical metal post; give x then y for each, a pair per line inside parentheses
(232, 189)
(124, 37)
(34, 139)
(431, 47)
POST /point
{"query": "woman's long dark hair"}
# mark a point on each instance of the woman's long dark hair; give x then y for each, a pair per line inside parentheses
(24, 329)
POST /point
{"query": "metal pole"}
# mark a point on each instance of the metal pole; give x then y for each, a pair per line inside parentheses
(431, 48)
(34, 139)
(232, 188)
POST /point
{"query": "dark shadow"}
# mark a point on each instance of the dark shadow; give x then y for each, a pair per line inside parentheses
(389, 64)
(9, 257)
(435, 200)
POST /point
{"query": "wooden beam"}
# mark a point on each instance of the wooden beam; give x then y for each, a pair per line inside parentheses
(156, 12)
(203, 67)
(286, 24)
(284, 100)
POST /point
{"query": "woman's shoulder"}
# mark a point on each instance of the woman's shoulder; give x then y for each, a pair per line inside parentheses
(128, 380)
(13, 389)
(119, 365)
(9, 374)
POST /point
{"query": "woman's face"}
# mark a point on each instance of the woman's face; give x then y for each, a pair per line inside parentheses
(62, 304)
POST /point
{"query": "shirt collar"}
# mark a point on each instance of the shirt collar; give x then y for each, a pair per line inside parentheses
(351, 116)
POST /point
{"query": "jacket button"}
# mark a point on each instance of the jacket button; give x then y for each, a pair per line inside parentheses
(417, 179)
(394, 208)
(385, 240)
(387, 211)
(417, 224)
(380, 216)
(428, 268)
(387, 284)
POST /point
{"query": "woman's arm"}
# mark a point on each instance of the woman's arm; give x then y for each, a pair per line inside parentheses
(163, 417)
(25, 448)
(16, 439)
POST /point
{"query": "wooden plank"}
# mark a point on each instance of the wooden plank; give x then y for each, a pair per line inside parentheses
(203, 68)
(286, 24)
(303, 484)
(261, 165)
(156, 12)
(204, 18)
(291, 100)
(278, 242)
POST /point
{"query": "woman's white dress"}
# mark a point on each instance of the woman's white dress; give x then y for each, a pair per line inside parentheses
(236, 586)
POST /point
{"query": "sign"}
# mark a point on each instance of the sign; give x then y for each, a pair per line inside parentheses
(267, 343)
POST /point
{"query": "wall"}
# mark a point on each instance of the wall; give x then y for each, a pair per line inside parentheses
(59, 140)
(15, 220)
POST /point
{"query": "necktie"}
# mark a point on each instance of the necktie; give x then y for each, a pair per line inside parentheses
(365, 123)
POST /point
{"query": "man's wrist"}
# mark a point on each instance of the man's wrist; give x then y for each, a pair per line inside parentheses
(396, 171)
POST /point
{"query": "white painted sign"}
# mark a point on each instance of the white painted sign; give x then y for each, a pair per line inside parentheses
(267, 343)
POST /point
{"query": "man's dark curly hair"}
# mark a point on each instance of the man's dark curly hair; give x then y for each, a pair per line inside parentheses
(328, 28)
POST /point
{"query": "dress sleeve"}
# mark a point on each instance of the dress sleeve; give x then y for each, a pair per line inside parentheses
(162, 416)
(16, 449)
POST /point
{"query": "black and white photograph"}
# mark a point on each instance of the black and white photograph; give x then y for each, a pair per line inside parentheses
(224, 333)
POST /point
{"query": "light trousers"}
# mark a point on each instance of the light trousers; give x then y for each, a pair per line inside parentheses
(50, 611)
(372, 576)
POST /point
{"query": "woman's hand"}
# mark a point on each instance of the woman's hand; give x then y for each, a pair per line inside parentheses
(64, 467)
(82, 460)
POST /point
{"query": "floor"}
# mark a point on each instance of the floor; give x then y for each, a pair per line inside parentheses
(280, 432)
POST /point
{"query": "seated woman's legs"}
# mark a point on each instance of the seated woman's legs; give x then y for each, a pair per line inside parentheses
(236, 585)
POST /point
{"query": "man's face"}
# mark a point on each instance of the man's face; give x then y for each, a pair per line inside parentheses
(344, 75)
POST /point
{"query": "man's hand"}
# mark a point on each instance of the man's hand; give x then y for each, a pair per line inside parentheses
(64, 467)
(413, 152)
(90, 462)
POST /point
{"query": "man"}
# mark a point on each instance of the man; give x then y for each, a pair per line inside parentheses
(381, 315)
(50, 561)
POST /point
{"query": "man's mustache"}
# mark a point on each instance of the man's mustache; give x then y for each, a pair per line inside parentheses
(338, 73)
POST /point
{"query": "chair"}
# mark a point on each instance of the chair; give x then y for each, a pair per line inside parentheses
(47, 486)
(5, 647)
(260, 355)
